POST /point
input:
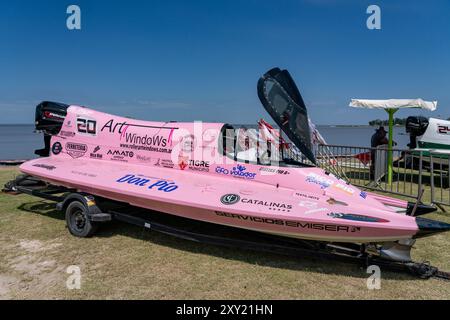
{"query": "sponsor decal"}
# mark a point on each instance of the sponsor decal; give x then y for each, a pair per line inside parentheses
(120, 155)
(277, 206)
(146, 140)
(130, 140)
(87, 126)
(363, 194)
(52, 115)
(345, 188)
(197, 165)
(333, 201)
(76, 150)
(194, 165)
(67, 134)
(114, 127)
(85, 174)
(165, 163)
(143, 158)
(315, 210)
(443, 129)
(95, 155)
(44, 166)
(356, 217)
(56, 148)
(274, 170)
(316, 179)
(182, 162)
(230, 198)
(307, 204)
(238, 171)
(151, 184)
(290, 223)
(307, 196)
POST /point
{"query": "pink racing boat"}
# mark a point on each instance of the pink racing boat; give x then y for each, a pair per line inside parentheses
(260, 180)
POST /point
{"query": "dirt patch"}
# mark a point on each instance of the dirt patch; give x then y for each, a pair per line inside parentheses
(34, 246)
(5, 284)
(31, 269)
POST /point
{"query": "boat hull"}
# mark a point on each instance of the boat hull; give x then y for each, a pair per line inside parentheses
(199, 198)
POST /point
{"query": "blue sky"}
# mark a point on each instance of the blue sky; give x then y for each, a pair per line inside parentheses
(200, 60)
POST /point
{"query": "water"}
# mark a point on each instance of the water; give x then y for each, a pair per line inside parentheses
(359, 136)
(20, 141)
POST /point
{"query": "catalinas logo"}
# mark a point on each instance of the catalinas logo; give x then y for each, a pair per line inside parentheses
(269, 204)
(230, 198)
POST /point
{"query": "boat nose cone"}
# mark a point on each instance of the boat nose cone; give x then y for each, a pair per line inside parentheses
(429, 227)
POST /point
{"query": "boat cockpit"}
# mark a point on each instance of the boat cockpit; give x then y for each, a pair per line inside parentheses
(247, 144)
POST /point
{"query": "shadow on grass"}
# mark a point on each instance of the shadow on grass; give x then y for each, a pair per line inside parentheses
(43, 208)
(306, 264)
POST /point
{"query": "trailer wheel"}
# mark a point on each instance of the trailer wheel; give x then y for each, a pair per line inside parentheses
(77, 220)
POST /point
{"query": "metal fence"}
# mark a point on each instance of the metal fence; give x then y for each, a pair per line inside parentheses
(413, 172)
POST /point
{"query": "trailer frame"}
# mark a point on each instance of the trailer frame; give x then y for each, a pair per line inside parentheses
(101, 210)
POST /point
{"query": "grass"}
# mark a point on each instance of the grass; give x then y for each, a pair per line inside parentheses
(124, 261)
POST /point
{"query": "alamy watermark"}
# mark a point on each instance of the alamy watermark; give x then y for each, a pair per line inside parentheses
(374, 20)
(374, 280)
(74, 280)
(73, 21)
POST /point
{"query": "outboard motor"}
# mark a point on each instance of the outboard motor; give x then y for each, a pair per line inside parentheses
(49, 119)
(416, 127)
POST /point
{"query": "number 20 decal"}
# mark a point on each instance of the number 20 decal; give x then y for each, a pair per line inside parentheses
(87, 126)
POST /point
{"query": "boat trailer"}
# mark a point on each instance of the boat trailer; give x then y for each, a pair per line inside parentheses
(96, 210)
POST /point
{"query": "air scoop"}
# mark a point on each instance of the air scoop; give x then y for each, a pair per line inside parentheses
(420, 210)
(429, 227)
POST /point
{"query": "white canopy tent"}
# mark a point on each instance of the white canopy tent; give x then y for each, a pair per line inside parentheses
(391, 106)
(394, 104)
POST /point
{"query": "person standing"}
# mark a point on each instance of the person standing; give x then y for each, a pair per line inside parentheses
(378, 138)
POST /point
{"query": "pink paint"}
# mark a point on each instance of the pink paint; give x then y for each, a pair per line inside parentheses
(140, 166)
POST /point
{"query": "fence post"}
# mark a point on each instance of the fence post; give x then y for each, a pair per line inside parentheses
(432, 178)
(419, 191)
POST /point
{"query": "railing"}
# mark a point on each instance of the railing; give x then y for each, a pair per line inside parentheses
(413, 171)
